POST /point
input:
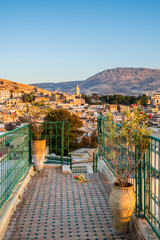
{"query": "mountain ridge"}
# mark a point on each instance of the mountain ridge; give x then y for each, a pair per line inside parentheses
(126, 81)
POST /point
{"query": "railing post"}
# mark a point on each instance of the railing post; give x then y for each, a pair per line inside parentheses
(93, 161)
(99, 134)
(70, 161)
(139, 184)
(62, 142)
(140, 187)
(30, 138)
(68, 141)
(96, 161)
(145, 178)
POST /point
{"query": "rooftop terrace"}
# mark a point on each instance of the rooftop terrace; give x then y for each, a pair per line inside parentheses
(55, 206)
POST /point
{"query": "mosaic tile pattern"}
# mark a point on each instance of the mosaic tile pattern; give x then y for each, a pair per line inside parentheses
(55, 206)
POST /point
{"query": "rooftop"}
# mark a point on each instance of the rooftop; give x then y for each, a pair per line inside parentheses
(55, 206)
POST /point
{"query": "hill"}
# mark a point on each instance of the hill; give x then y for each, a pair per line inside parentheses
(19, 87)
(125, 81)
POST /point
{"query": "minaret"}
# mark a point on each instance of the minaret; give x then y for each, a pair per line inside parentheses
(77, 91)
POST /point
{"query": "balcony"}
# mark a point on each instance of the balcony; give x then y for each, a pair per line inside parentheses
(53, 204)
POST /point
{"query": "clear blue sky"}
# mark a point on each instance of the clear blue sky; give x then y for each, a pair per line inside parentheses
(64, 40)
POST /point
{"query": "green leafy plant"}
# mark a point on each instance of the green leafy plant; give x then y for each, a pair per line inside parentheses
(32, 114)
(124, 142)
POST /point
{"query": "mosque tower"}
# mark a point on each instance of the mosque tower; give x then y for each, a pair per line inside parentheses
(77, 92)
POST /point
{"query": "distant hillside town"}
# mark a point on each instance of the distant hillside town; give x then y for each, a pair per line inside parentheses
(86, 107)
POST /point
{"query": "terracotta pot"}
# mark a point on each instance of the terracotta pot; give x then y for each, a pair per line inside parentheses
(122, 202)
(38, 153)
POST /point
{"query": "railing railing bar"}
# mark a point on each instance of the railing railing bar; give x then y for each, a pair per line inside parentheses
(14, 159)
(13, 131)
(159, 185)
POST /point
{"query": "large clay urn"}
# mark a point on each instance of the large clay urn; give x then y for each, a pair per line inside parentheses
(122, 202)
(38, 153)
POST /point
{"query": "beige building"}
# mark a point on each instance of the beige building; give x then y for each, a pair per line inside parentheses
(13, 103)
(69, 97)
(17, 94)
(78, 101)
(9, 117)
(57, 97)
(4, 94)
(113, 108)
(40, 99)
(155, 99)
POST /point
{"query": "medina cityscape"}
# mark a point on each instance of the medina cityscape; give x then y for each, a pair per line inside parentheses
(79, 120)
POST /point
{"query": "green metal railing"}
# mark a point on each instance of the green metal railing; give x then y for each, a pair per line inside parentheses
(79, 169)
(146, 178)
(151, 175)
(57, 141)
(15, 152)
(14, 159)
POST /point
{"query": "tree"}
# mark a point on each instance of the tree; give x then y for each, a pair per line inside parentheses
(88, 99)
(39, 104)
(84, 142)
(94, 140)
(32, 115)
(75, 124)
(89, 142)
(127, 100)
(132, 99)
(103, 99)
(120, 99)
(95, 96)
(143, 100)
(28, 97)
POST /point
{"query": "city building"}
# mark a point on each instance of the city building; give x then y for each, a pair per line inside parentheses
(13, 102)
(17, 94)
(154, 99)
(4, 94)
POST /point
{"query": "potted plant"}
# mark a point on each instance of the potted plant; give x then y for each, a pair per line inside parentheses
(32, 115)
(122, 144)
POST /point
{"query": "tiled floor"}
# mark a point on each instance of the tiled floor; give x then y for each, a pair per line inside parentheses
(55, 206)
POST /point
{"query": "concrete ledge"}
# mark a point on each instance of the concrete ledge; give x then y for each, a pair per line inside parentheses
(66, 169)
(9, 207)
(52, 165)
(139, 228)
(89, 169)
(102, 167)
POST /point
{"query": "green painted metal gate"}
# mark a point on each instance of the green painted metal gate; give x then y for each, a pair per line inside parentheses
(57, 142)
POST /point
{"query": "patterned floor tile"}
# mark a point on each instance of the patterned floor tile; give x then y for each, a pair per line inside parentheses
(55, 206)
